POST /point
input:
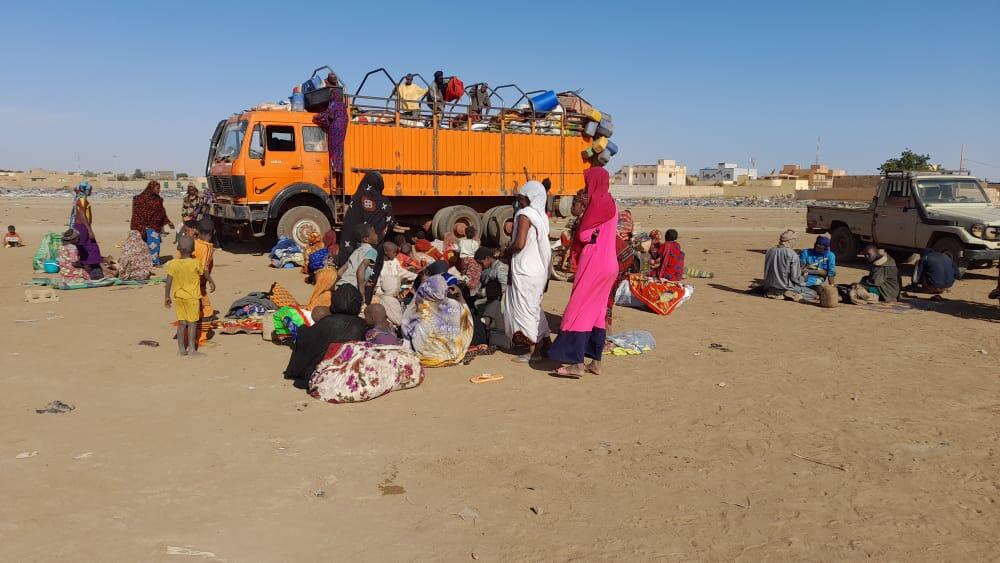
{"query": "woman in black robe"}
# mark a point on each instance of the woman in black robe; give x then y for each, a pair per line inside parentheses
(368, 206)
(343, 325)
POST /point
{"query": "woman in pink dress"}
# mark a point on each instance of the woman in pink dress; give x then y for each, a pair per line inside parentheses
(582, 333)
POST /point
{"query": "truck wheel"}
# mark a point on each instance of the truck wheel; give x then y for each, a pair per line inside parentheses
(438, 217)
(501, 221)
(844, 244)
(491, 229)
(455, 215)
(952, 248)
(298, 222)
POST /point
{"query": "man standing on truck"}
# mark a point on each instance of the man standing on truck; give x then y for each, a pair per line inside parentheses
(435, 95)
(783, 278)
(409, 96)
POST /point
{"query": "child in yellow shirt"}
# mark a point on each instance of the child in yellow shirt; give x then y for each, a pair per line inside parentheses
(183, 291)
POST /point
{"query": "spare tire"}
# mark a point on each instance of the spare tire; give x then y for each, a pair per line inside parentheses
(455, 215)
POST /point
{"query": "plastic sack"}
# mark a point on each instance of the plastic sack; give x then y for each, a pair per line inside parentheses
(625, 298)
(48, 250)
(638, 340)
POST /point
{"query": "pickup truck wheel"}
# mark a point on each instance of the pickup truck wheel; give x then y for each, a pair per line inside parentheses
(844, 244)
(951, 248)
(298, 222)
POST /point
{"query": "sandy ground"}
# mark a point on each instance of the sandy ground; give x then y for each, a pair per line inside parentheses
(688, 453)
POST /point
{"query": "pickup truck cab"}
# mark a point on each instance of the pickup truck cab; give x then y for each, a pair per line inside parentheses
(948, 212)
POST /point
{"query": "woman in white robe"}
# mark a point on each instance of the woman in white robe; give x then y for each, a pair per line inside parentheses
(531, 259)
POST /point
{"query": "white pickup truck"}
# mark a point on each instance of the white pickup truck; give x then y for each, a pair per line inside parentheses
(948, 212)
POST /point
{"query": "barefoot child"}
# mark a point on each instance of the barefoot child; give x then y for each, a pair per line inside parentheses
(183, 291)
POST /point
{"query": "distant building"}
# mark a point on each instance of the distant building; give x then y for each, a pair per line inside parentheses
(159, 174)
(726, 172)
(818, 175)
(663, 173)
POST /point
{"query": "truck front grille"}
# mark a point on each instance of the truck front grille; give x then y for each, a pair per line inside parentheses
(222, 185)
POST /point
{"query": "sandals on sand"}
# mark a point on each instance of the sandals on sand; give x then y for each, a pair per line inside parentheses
(486, 378)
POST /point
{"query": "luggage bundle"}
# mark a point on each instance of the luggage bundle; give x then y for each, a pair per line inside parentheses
(600, 126)
(315, 91)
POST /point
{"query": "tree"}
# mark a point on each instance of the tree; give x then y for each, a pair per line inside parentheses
(138, 175)
(908, 160)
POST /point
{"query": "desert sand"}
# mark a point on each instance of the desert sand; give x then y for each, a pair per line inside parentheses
(687, 453)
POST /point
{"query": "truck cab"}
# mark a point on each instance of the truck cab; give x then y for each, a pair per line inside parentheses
(270, 168)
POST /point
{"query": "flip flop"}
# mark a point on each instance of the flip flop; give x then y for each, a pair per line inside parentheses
(563, 372)
(486, 378)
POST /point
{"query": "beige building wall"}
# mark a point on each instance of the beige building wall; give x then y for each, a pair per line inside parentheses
(664, 173)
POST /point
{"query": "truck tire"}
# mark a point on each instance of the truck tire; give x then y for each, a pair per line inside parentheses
(297, 222)
(499, 216)
(489, 237)
(455, 215)
(844, 244)
(441, 213)
(952, 248)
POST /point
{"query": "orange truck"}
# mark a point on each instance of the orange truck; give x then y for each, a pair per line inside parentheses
(269, 168)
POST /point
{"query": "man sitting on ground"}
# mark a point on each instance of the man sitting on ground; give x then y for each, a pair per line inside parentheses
(934, 273)
(783, 278)
(818, 263)
(882, 281)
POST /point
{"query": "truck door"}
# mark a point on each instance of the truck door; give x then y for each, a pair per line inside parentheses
(275, 160)
(315, 158)
(896, 217)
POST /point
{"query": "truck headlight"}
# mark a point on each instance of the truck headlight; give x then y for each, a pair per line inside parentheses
(977, 230)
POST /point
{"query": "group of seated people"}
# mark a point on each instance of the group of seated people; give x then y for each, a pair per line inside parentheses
(432, 300)
(800, 276)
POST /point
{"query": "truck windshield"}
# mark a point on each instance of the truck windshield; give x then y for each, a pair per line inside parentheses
(945, 191)
(230, 141)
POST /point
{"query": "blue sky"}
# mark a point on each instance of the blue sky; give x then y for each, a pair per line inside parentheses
(110, 85)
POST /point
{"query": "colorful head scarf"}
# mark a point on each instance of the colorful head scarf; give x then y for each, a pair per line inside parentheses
(601, 206)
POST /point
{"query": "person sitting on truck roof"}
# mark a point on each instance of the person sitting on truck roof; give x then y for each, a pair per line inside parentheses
(480, 103)
(435, 94)
(882, 281)
(409, 96)
(934, 273)
(783, 278)
(818, 263)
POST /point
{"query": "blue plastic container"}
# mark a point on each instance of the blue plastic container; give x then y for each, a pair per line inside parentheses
(607, 127)
(51, 267)
(612, 148)
(298, 100)
(545, 102)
